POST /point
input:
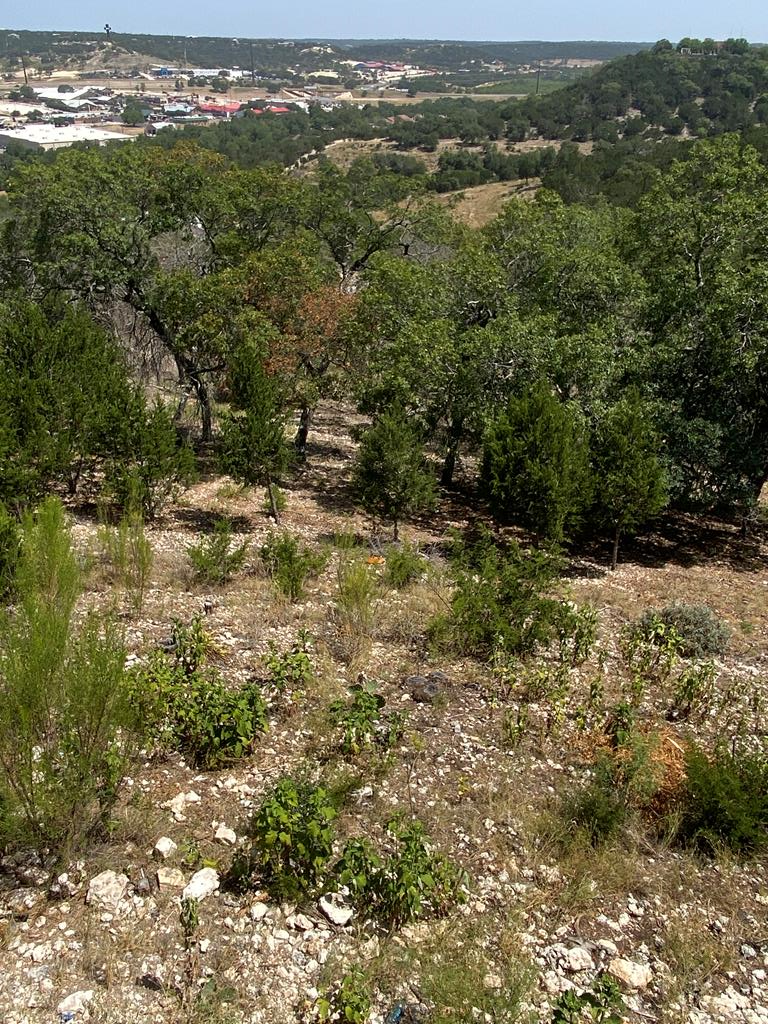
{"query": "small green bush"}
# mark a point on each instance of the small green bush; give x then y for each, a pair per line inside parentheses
(725, 802)
(355, 606)
(290, 564)
(498, 600)
(405, 565)
(65, 731)
(411, 883)
(216, 558)
(701, 632)
(291, 839)
(181, 706)
(576, 629)
(362, 723)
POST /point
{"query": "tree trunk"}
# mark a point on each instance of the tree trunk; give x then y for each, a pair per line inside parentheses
(395, 534)
(204, 401)
(449, 465)
(305, 422)
(272, 502)
(615, 552)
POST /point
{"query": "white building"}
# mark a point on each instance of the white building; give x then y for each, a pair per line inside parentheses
(49, 136)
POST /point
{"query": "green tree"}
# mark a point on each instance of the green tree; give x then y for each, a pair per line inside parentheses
(630, 482)
(253, 448)
(391, 477)
(536, 465)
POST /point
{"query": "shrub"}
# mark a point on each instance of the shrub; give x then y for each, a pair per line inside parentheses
(216, 558)
(404, 565)
(183, 707)
(725, 802)
(362, 723)
(152, 465)
(290, 564)
(701, 632)
(291, 839)
(411, 883)
(129, 554)
(621, 783)
(291, 670)
(498, 599)
(10, 551)
(64, 734)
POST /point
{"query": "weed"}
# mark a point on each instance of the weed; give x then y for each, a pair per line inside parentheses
(290, 671)
(355, 606)
(601, 1003)
(129, 553)
(290, 564)
(650, 655)
(349, 1000)
(361, 722)
(216, 558)
(189, 919)
(64, 723)
(10, 552)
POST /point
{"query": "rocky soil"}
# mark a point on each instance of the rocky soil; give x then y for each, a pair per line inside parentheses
(686, 938)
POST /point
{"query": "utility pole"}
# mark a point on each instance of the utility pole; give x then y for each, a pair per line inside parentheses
(24, 68)
(538, 76)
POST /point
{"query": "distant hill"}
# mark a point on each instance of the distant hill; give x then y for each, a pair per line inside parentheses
(695, 90)
(277, 56)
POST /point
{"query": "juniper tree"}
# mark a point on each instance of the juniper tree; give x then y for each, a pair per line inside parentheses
(536, 465)
(392, 478)
(630, 481)
(253, 448)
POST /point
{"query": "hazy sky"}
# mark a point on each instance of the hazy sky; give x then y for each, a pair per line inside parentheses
(432, 19)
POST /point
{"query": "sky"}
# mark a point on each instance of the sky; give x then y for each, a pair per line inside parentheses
(415, 19)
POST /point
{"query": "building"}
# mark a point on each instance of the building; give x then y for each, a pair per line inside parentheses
(49, 136)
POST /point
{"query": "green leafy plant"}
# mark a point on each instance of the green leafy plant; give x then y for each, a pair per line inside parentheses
(185, 707)
(601, 1003)
(348, 1000)
(290, 564)
(362, 723)
(411, 883)
(693, 686)
(576, 631)
(725, 802)
(291, 670)
(291, 839)
(650, 654)
(699, 631)
(216, 557)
